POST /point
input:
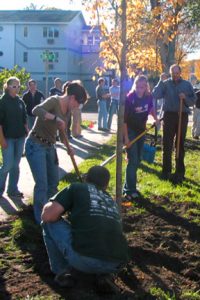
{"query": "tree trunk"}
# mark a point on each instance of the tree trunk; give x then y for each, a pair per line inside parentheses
(121, 105)
(166, 50)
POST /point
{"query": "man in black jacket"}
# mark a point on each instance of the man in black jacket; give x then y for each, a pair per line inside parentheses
(32, 98)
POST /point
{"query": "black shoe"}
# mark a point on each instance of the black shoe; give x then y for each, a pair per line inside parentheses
(65, 280)
(17, 194)
(105, 285)
(195, 137)
(177, 178)
(79, 136)
(166, 175)
(100, 129)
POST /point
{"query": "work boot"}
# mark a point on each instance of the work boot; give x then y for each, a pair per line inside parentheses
(105, 285)
(166, 175)
(65, 279)
(177, 178)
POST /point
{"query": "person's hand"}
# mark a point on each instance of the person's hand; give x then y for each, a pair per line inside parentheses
(182, 96)
(126, 141)
(157, 123)
(4, 144)
(60, 123)
(70, 151)
(108, 95)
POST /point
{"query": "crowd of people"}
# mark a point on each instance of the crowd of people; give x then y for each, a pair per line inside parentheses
(91, 239)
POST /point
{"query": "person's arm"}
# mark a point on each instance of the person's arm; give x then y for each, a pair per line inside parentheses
(59, 204)
(125, 133)
(42, 111)
(125, 127)
(159, 90)
(189, 99)
(3, 142)
(52, 212)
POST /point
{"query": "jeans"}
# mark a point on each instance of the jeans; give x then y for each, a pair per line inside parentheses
(113, 109)
(170, 131)
(102, 114)
(196, 122)
(11, 159)
(134, 155)
(62, 257)
(43, 162)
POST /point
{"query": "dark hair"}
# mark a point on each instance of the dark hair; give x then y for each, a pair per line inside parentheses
(75, 88)
(31, 80)
(99, 176)
(100, 80)
(174, 66)
(65, 85)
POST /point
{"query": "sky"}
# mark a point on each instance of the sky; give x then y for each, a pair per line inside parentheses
(62, 4)
(21, 4)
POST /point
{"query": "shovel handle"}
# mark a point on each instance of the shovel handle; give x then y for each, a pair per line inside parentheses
(179, 128)
(129, 144)
(66, 143)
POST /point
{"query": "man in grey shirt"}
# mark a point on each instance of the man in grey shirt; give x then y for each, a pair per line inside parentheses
(172, 90)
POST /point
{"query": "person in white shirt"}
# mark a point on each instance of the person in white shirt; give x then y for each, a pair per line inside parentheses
(114, 91)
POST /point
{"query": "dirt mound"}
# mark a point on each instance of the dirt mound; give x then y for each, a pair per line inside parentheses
(164, 251)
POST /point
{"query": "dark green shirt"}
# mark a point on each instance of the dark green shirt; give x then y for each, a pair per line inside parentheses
(100, 91)
(12, 116)
(95, 221)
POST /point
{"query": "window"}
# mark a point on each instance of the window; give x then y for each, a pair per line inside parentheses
(25, 57)
(25, 31)
(44, 31)
(90, 40)
(50, 32)
(97, 40)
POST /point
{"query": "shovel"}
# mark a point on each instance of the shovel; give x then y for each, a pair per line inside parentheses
(179, 128)
(66, 143)
(129, 144)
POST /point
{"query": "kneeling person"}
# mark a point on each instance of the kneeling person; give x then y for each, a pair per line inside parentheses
(93, 241)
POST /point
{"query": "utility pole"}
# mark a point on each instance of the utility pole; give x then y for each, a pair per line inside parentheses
(47, 57)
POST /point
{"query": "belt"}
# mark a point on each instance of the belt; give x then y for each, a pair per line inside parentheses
(41, 139)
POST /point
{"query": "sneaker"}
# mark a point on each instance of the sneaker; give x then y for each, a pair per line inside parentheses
(177, 178)
(131, 197)
(166, 175)
(80, 136)
(105, 285)
(105, 129)
(65, 280)
(195, 137)
(16, 194)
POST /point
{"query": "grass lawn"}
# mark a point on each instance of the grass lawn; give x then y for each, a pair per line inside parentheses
(162, 229)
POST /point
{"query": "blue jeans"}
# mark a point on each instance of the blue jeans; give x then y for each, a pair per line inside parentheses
(44, 167)
(113, 109)
(102, 114)
(11, 159)
(31, 120)
(62, 257)
(134, 155)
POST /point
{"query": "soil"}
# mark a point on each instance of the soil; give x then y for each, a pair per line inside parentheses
(164, 249)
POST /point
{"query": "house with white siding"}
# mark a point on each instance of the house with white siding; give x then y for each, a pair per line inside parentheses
(27, 37)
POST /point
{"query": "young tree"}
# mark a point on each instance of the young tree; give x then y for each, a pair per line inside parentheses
(137, 35)
(19, 73)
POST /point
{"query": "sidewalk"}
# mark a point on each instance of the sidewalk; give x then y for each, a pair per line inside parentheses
(92, 139)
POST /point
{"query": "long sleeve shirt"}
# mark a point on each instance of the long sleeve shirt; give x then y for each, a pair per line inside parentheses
(170, 90)
(13, 117)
